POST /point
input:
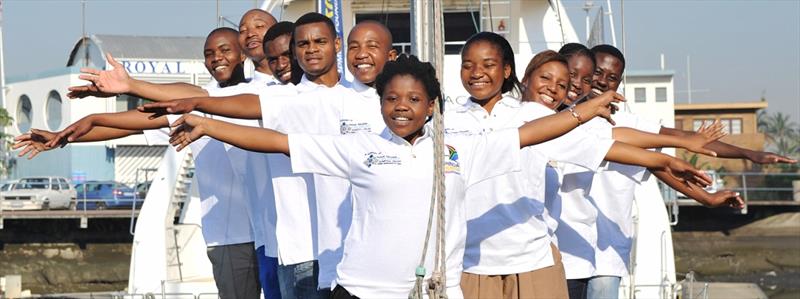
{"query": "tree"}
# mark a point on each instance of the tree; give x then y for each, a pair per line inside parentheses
(5, 141)
(781, 133)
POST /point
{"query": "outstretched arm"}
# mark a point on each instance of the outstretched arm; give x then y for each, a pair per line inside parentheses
(245, 106)
(116, 81)
(725, 198)
(36, 141)
(190, 127)
(549, 127)
(694, 142)
(682, 171)
(127, 121)
(725, 150)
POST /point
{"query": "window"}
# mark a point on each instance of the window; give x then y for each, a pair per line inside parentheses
(53, 109)
(661, 94)
(732, 126)
(24, 114)
(458, 27)
(640, 95)
(697, 123)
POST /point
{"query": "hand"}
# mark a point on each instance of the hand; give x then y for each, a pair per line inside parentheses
(705, 135)
(768, 158)
(687, 174)
(33, 142)
(103, 83)
(603, 106)
(179, 106)
(725, 198)
(186, 130)
(72, 132)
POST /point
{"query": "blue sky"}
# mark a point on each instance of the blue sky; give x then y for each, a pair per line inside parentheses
(740, 49)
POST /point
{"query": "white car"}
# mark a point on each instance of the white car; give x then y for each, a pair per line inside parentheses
(7, 185)
(39, 193)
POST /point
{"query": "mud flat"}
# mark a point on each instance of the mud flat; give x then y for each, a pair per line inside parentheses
(766, 252)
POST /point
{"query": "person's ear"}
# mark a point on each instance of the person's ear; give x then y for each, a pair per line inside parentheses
(392, 54)
(338, 44)
(430, 107)
(506, 71)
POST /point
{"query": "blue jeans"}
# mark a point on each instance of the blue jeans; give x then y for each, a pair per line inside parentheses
(299, 281)
(603, 287)
(268, 274)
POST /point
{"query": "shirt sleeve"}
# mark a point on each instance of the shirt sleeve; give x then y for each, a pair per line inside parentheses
(489, 155)
(160, 136)
(577, 147)
(320, 154)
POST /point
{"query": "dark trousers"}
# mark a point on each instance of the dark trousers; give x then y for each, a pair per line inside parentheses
(235, 270)
(340, 293)
(577, 288)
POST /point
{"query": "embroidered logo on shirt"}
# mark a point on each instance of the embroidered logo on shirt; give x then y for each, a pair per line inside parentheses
(456, 131)
(374, 158)
(349, 126)
(451, 161)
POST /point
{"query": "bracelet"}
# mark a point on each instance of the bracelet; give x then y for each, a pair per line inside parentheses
(575, 115)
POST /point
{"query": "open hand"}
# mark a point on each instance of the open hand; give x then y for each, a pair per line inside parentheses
(768, 158)
(179, 106)
(186, 130)
(71, 133)
(103, 83)
(686, 173)
(705, 135)
(32, 143)
(603, 105)
(725, 198)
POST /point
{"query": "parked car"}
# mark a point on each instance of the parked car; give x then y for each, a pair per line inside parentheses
(38, 193)
(8, 185)
(100, 195)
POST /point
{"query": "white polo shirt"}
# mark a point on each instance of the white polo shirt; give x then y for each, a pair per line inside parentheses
(317, 110)
(224, 206)
(263, 79)
(391, 181)
(506, 229)
(595, 226)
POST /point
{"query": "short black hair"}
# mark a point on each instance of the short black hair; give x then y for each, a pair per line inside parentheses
(576, 50)
(223, 30)
(315, 17)
(277, 30)
(502, 45)
(410, 65)
(610, 50)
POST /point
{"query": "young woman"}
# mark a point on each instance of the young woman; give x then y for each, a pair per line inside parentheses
(508, 250)
(575, 228)
(391, 175)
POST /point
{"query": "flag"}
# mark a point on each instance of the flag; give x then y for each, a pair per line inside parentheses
(333, 10)
(597, 32)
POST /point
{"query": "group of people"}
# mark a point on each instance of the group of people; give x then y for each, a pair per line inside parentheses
(314, 187)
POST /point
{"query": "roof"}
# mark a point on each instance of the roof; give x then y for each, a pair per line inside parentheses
(721, 106)
(649, 73)
(144, 47)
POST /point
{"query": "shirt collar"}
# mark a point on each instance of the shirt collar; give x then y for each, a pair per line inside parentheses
(391, 136)
(307, 85)
(507, 101)
(361, 88)
(263, 77)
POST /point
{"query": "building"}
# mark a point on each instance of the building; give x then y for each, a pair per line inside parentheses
(741, 125)
(39, 101)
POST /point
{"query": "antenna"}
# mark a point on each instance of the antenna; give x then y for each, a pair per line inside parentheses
(689, 78)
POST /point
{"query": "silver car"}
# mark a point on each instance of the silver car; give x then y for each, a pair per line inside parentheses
(39, 193)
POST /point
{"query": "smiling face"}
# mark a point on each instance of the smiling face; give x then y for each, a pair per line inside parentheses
(368, 49)
(279, 58)
(315, 47)
(608, 73)
(547, 85)
(581, 69)
(252, 27)
(483, 72)
(222, 55)
(406, 106)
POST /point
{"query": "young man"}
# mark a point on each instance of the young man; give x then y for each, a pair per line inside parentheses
(278, 54)
(225, 195)
(347, 111)
(612, 191)
(252, 27)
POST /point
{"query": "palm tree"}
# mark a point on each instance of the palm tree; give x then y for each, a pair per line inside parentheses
(780, 131)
